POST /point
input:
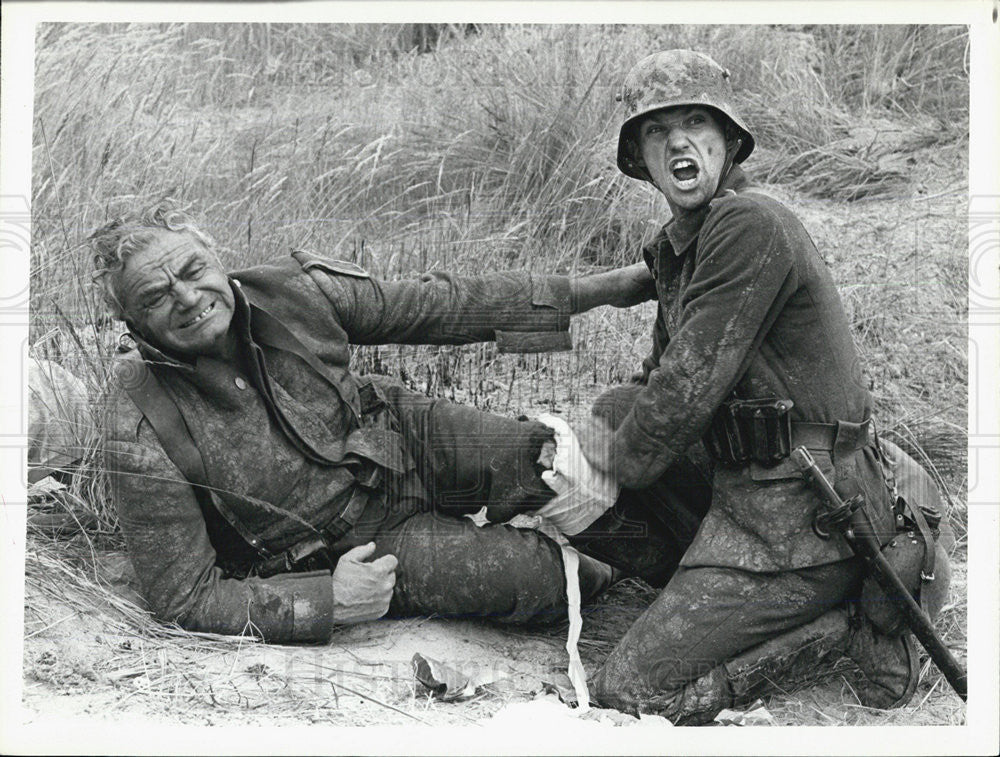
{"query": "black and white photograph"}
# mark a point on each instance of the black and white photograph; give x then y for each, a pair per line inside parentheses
(605, 375)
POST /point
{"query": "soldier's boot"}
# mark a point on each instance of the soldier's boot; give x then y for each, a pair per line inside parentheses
(595, 577)
(890, 665)
(789, 661)
(779, 665)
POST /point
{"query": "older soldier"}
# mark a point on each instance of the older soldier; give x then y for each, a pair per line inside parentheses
(248, 460)
(753, 352)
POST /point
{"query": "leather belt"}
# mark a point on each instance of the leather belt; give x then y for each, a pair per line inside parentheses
(842, 436)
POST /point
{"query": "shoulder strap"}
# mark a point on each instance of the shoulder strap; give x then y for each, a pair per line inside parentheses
(145, 390)
(309, 260)
(270, 331)
(152, 400)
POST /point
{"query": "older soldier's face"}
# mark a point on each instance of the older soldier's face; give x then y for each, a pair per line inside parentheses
(684, 149)
(176, 295)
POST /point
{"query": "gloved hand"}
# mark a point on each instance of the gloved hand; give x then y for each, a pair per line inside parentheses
(362, 590)
(583, 493)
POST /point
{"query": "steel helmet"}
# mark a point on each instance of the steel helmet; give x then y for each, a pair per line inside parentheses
(669, 78)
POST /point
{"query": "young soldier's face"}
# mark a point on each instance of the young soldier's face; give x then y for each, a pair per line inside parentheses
(177, 296)
(684, 150)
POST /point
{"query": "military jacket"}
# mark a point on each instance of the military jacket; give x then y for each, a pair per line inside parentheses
(747, 304)
(251, 422)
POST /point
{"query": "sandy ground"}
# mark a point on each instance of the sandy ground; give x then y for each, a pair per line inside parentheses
(86, 660)
(95, 663)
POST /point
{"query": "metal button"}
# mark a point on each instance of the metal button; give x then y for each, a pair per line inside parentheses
(240, 383)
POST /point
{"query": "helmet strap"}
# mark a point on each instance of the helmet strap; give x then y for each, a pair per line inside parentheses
(730, 158)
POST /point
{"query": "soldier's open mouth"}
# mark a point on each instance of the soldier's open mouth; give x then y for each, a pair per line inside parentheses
(685, 173)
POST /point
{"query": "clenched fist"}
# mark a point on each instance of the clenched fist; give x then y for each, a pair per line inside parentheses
(362, 590)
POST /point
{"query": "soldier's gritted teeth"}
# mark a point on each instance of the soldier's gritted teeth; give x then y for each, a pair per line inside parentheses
(177, 296)
(684, 150)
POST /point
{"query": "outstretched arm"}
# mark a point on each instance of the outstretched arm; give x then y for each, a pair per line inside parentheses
(621, 288)
(442, 308)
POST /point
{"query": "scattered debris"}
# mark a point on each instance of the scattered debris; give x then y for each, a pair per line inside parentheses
(755, 714)
(448, 684)
(561, 685)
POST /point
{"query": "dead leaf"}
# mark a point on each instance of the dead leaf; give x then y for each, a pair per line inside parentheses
(445, 683)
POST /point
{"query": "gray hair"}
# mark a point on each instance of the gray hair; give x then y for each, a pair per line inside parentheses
(130, 233)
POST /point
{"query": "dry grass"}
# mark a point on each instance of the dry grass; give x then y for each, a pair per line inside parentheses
(493, 150)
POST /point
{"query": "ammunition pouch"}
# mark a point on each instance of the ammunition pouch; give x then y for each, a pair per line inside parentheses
(315, 552)
(756, 430)
(311, 553)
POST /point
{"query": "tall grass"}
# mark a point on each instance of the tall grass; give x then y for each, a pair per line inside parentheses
(413, 147)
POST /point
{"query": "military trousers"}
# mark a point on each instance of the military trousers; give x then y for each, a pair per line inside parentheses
(449, 566)
(705, 615)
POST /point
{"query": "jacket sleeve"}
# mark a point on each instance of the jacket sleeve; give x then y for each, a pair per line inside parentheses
(743, 275)
(174, 560)
(442, 308)
(652, 360)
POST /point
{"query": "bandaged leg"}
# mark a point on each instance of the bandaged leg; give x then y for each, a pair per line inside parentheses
(648, 530)
(451, 567)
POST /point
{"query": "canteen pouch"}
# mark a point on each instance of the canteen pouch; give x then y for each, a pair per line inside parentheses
(906, 554)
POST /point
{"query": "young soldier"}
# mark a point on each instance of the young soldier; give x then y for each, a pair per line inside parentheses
(750, 336)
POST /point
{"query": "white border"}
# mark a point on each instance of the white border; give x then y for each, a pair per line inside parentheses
(979, 737)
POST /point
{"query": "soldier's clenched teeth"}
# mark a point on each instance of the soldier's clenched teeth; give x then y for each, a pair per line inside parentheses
(198, 317)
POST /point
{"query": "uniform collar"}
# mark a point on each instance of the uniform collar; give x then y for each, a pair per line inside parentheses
(241, 322)
(682, 229)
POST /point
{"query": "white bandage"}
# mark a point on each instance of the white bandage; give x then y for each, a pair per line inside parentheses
(583, 493)
(575, 671)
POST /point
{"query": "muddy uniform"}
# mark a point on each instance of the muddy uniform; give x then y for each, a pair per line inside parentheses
(295, 444)
(747, 308)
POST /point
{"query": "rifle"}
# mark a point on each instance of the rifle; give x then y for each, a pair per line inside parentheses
(853, 522)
